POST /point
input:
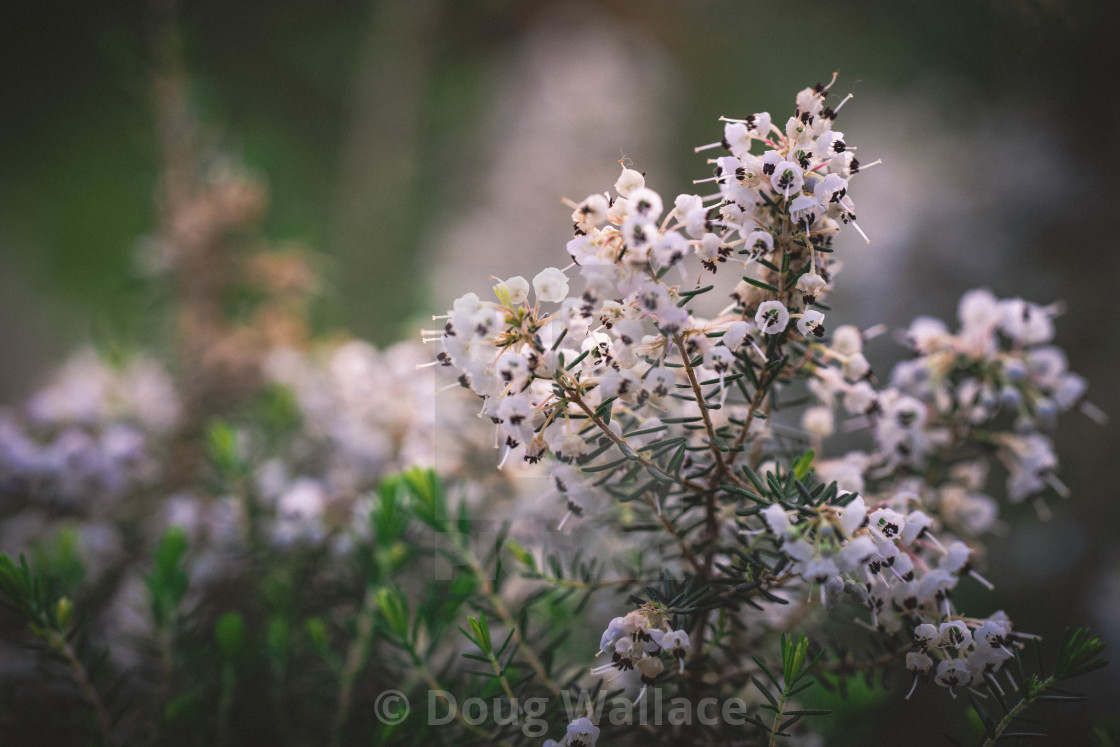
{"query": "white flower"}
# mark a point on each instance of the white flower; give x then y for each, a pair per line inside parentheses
(629, 181)
(954, 634)
(692, 214)
(818, 421)
(847, 340)
(299, 512)
(787, 178)
(776, 518)
(978, 309)
(856, 367)
(887, 522)
(804, 209)
(719, 359)
(581, 733)
(916, 661)
(650, 668)
(855, 554)
(759, 243)
(737, 138)
(860, 398)
(659, 383)
(811, 285)
(955, 560)
(1025, 322)
(919, 663)
(952, 673)
(551, 285)
(925, 635)
(591, 212)
(646, 203)
(512, 292)
(917, 524)
(810, 323)
(853, 515)
(668, 249)
(736, 334)
(676, 643)
(639, 234)
(829, 144)
(927, 334)
(759, 124)
(772, 317)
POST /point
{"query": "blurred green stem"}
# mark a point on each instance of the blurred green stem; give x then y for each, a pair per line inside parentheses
(225, 703)
(356, 657)
(62, 647)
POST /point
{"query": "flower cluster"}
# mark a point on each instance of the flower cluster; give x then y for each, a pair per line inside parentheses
(636, 643)
(560, 371)
(888, 559)
(994, 388)
(367, 412)
(579, 733)
(653, 376)
(641, 390)
(983, 644)
(91, 435)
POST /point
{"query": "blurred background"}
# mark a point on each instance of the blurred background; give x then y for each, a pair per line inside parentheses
(415, 148)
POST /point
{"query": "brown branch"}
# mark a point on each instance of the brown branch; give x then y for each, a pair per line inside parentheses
(717, 455)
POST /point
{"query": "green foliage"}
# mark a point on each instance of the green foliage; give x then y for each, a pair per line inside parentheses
(167, 582)
(59, 560)
(795, 668)
(224, 450)
(394, 609)
(421, 577)
(24, 590)
(1078, 654)
(229, 632)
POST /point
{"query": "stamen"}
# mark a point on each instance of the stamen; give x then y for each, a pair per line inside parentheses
(1094, 413)
(987, 584)
(865, 624)
(1059, 486)
(872, 332)
(856, 423)
(709, 146)
(1041, 509)
(929, 536)
(912, 687)
(861, 233)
